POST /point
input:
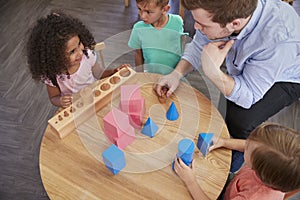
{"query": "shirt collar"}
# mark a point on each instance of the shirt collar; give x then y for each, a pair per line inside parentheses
(251, 24)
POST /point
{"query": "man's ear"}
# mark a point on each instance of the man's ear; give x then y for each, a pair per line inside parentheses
(166, 9)
(234, 25)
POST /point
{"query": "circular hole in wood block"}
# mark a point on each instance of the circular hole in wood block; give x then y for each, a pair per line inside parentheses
(60, 118)
(124, 72)
(72, 109)
(105, 86)
(56, 122)
(79, 104)
(66, 114)
(114, 80)
(97, 93)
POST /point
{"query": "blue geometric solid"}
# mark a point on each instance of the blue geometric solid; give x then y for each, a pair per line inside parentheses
(186, 149)
(114, 159)
(186, 146)
(172, 113)
(150, 128)
(204, 142)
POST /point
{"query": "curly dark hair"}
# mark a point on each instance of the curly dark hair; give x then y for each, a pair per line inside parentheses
(47, 43)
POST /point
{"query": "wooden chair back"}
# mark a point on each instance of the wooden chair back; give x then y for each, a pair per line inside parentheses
(98, 48)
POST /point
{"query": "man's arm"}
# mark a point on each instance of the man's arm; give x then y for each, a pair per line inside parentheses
(212, 58)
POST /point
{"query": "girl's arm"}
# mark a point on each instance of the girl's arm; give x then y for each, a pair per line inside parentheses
(186, 174)
(56, 99)
(229, 143)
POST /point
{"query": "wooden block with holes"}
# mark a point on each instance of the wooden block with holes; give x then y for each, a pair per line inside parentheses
(66, 120)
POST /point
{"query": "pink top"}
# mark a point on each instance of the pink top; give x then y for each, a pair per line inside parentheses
(83, 77)
(246, 185)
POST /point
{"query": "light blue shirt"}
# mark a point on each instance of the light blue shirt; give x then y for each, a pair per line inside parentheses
(266, 51)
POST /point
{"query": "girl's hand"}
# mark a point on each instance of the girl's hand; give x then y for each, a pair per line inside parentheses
(185, 172)
(217, 143)
(66, 100)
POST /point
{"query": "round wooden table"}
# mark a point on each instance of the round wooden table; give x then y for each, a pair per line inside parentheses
(72, 167)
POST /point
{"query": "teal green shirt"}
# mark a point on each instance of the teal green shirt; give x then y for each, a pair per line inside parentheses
(162, 49)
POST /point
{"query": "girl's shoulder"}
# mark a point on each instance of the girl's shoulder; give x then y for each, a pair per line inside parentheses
(90, 59)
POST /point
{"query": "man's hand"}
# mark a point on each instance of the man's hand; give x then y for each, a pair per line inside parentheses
(212, 57)
(170, 81)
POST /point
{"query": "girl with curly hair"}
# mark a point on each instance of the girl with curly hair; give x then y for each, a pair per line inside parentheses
(60, 54)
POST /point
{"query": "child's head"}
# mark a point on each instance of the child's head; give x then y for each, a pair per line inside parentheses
(273, 152)
(160, 3)
(151, 11)
(49, 44)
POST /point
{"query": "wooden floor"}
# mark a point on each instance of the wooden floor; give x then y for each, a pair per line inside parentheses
(24, 104)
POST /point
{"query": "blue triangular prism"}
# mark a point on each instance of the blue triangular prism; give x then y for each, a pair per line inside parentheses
(204, 142)
(172, 113)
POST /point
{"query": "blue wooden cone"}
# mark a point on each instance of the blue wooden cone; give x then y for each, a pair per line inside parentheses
(150, 128)
(172, 113)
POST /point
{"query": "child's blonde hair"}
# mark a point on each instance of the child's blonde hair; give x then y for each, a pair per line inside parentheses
(276, 160)
(157, 2)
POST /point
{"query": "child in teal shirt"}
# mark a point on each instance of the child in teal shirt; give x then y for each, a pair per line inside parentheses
(157, 38)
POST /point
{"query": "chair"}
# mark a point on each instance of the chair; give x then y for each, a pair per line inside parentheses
(98, 48)
(126, 3)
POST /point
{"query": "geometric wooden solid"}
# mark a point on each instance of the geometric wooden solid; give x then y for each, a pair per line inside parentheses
(186, 149)
(64, 122)
(205, 140)
(150, 128)
(118, 129)
(172, 113)
(114, 159)
(132, 103)
(116, 122)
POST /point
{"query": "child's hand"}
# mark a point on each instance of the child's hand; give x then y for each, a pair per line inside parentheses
(185, 172)
(217, 143)
(66, 100)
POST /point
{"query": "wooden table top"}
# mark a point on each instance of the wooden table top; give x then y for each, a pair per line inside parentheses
(72, 167)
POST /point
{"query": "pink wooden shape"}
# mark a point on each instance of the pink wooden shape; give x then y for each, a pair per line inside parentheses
(116, 122)
(127, 138)
(124, 139)
(130, 92)
(133, 106)
(131, 99)
(136, 118)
